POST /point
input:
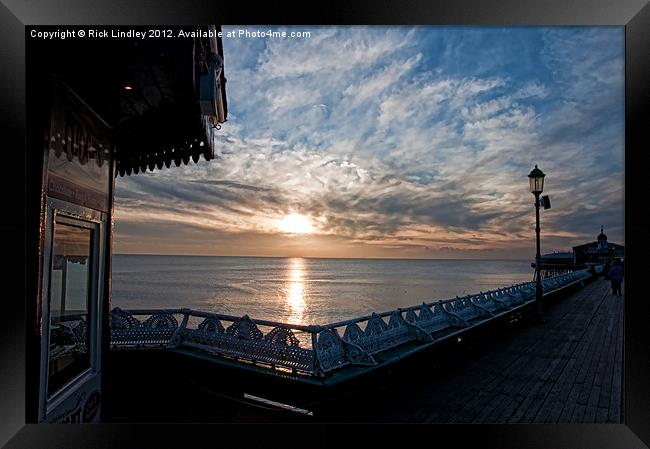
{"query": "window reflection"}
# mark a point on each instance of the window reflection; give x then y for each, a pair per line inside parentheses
(69, 305)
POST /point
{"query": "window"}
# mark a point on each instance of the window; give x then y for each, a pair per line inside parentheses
(70, 303)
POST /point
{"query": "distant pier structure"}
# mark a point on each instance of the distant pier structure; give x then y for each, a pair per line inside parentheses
(555, 263)
(599, 252)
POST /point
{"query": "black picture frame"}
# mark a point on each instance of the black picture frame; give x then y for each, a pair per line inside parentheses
(15, 15)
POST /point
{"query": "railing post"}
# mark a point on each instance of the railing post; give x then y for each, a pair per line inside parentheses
(178, 333)
(314, 347)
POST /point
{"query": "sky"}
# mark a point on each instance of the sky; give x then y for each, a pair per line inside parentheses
(398, 142)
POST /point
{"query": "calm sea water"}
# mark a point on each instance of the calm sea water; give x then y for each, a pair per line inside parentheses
(306, 291)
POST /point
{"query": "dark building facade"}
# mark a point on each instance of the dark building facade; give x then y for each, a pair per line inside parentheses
(600, 252)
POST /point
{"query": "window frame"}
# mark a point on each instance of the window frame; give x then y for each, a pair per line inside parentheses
(62, 212)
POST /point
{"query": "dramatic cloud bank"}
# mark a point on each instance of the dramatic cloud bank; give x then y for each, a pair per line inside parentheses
(399, 142)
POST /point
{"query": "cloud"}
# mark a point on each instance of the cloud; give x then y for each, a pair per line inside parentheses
(391, 148)
(231, 184)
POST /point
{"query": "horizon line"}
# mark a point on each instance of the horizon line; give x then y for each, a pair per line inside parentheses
(317, 257)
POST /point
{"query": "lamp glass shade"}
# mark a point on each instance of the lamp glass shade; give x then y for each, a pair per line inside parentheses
(536, 178)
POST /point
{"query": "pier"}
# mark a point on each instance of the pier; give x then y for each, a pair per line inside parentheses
(450, 366)
(567, 370)
(327, 351)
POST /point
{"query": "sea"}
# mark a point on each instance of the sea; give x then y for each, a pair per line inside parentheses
(301, 290)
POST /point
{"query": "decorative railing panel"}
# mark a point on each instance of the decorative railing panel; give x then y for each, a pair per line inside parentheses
(330, 351)
(155, 331)
(244, 340)
(379, 336)
(435, 321)
(465, 309)
(488, 302)
(510, 297)
(317, 350)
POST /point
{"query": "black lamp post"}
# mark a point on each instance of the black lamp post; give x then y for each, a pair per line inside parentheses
(536, 178)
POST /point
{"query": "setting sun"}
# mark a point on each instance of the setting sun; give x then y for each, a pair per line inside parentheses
(296, 224)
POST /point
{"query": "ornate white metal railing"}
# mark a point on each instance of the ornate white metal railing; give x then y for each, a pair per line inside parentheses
(317, 350)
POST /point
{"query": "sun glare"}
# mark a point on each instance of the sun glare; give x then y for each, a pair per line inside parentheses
(296, 224)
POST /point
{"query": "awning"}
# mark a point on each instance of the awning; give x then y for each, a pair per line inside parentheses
(165, 101)
(161, 97)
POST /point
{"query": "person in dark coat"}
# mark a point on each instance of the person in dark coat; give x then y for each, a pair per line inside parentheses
(616, 277)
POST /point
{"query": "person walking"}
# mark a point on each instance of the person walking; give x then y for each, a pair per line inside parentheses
(616, 277)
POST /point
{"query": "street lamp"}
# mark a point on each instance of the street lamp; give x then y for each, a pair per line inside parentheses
(536, 179)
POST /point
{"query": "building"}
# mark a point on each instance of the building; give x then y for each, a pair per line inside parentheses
(600, 252)
(555, 263)
(98, 108)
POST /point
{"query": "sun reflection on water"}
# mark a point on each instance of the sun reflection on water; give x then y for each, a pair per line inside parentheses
(296, 289)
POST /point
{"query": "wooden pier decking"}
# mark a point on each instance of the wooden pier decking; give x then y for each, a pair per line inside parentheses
(567, 370)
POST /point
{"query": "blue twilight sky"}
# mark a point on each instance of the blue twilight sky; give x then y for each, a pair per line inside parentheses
(398, 142)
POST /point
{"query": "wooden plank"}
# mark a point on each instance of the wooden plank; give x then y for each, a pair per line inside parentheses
(510, 385)
(577, 323)
(544, 413)
(592, 405)
(578, 413)
(519, 359)
(567, 370)
(616, 397)
(586, 393)
(603, 415)
(551, 396)
(565, 382)
(608, 370)
(562, 390)
(585, 409)
(570, 407)
(556, 400)
(541, 369)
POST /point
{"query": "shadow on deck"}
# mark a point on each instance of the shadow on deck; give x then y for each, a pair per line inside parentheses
(568, 369)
